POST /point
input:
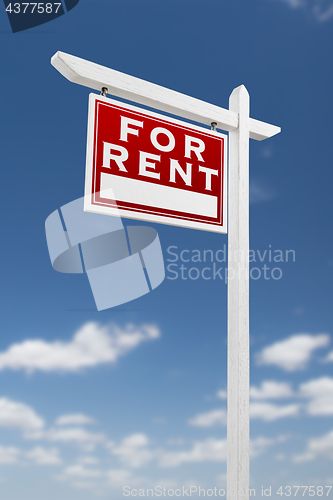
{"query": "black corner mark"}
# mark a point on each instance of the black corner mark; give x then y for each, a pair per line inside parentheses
(70, 4)
(24, 15)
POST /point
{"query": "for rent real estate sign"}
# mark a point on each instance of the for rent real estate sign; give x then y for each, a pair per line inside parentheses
(147, 166)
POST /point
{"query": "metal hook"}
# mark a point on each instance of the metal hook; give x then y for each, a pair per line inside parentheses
(104, 91)
(213, 126)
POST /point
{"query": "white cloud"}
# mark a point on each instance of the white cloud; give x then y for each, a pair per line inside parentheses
(84, 439)
(293, 353)
(295, 3)
(74, 419)
(329, 358)
(270, 389)
(43, 456)
(260, 193)
(159, 421)
(221, 480)
(317, 387)
(82, 472)
(133, 450)
(91, 345)
(320, 393)
(136, 451)
(263, 411)
(39, 456)
(9, 455)
(259, 445)
(209, 419)
(84, 485)
(269, 412)
(175, 442)
(317, 447)
(19, 416)
(267, 151)
(321, 14)
(210, 450)
(88, 460)
(118, 478)
(221, 394)
(82, 477)
(321, 10)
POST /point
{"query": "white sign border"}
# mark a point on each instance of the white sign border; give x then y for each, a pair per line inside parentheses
(137, 215)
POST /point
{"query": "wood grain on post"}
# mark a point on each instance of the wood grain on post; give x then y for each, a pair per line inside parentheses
(238, 301)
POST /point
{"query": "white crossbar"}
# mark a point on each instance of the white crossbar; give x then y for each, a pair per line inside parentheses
(95, 76)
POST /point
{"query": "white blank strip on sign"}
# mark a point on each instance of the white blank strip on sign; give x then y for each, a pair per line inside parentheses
(156, 195)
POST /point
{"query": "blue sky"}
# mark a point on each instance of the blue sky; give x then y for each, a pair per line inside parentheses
(80, 415)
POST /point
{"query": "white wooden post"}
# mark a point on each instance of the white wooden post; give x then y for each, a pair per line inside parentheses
(238, 435)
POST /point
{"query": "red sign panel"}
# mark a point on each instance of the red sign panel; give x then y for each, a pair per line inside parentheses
(146, 166)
